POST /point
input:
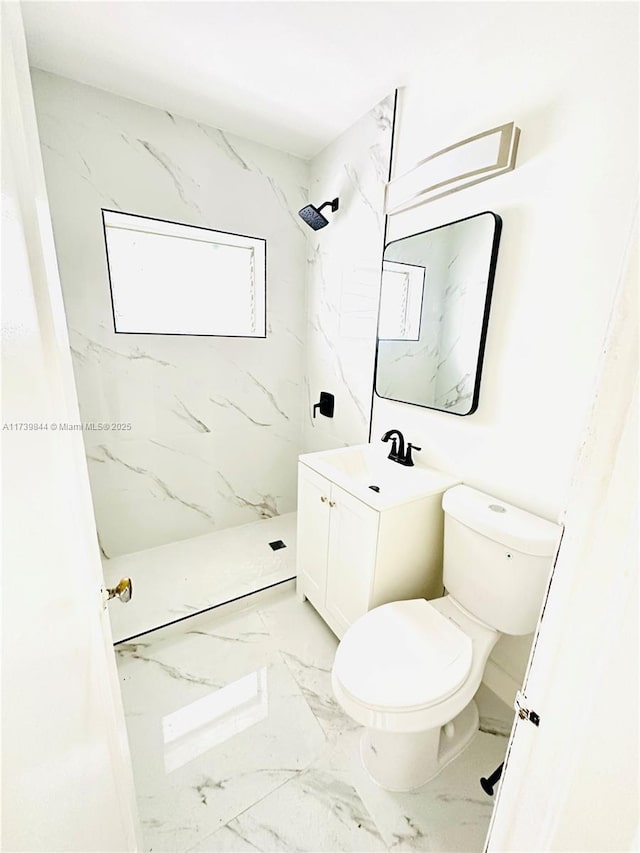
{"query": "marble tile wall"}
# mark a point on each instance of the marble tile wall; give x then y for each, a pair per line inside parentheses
(343, 285)
(216, 423)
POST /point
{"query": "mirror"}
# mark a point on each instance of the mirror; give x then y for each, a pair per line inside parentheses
(434, 310)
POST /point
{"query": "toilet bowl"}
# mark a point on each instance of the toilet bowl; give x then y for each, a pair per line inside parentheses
(408, 670)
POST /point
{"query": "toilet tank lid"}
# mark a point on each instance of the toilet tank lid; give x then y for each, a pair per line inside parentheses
(502, 522)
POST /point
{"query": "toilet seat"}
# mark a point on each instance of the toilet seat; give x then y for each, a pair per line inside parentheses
(403, 656)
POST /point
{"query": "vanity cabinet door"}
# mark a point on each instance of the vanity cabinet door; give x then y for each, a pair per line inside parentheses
(313, 533)
(353, 533)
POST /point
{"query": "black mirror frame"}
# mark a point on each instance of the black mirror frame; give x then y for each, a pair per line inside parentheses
(493, 262)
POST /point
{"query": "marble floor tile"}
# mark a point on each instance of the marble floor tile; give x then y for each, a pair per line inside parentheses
(216, 722)
(308, 647)
(314, 811)
(238, 744)
(450, 813)
(182, 578)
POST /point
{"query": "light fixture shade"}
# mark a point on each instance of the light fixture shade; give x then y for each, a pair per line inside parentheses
(456, 167)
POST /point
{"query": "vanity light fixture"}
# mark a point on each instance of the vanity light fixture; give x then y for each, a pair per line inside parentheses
(454, 168)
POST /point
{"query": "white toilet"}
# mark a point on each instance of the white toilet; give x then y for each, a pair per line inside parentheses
(408, 670)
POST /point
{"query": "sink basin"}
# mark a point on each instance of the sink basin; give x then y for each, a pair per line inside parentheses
(365, 472)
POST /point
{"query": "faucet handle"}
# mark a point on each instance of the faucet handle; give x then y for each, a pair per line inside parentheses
(408, 459)
(393, 453)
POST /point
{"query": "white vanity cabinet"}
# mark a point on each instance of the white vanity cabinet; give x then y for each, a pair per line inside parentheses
(353, 553)
(336, 532)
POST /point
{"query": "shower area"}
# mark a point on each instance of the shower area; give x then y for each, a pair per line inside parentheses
(192, 429)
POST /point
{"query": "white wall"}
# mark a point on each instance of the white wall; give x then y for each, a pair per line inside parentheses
(343, 283)
(216, 422)
(567, 75)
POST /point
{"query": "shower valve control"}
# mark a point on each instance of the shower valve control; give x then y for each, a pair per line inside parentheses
(326, 405)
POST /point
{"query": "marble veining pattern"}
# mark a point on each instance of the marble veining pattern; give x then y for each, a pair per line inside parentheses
(216, 423)
(238, 744)
(343, 277)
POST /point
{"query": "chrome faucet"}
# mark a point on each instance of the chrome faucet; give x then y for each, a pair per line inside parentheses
(397, 452)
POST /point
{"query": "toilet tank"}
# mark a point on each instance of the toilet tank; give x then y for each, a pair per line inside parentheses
(497, 558)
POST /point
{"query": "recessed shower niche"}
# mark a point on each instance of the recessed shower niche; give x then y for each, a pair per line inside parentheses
(434, 312)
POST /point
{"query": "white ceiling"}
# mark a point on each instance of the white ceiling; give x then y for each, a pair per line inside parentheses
(292, 75)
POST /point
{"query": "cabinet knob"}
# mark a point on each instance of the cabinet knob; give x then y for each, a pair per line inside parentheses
(323, 499)
(332, 503)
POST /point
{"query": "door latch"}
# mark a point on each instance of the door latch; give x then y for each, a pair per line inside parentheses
(524, 712)
(123, 590)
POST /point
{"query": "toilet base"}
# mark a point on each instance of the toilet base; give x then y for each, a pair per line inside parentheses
(399, 761)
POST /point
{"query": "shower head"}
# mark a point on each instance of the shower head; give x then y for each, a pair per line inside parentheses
(314, 218)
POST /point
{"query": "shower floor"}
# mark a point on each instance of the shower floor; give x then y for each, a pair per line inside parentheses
(177, 580)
